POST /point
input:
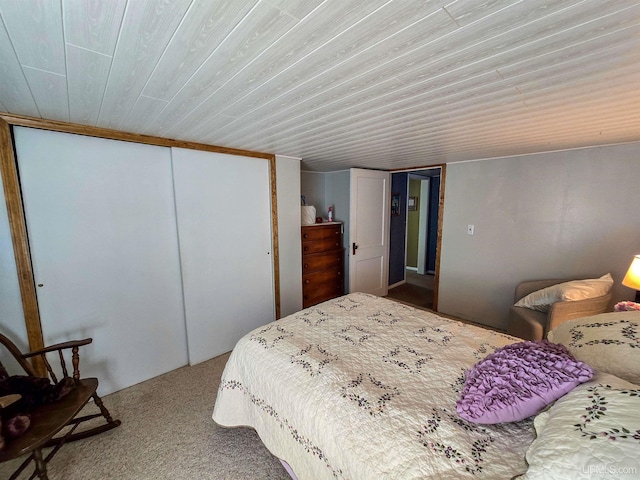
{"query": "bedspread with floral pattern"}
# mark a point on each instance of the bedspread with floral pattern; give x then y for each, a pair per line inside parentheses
(362, 387)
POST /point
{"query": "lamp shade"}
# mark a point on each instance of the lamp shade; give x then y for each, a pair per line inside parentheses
(632, 278)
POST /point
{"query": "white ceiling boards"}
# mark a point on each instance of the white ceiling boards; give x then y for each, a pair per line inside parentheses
(349, 83)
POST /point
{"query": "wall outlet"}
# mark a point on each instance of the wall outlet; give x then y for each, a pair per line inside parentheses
(470, 229)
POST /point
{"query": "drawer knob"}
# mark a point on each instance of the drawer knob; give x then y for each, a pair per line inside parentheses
(306, 265)
(307, 282)
(339, 273)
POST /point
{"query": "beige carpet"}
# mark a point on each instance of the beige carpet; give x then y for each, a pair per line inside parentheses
(166, 433)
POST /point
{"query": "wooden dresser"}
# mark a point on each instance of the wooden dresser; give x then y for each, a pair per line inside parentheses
(322, 263)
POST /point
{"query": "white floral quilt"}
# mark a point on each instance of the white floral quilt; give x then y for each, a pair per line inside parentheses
(362, 387)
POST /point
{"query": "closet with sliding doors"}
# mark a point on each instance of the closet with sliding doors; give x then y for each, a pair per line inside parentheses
(163, 255)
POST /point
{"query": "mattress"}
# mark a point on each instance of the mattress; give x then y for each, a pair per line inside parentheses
(362, 387)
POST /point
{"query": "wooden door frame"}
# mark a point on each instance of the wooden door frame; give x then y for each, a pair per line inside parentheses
(17, 220)
(443, 175)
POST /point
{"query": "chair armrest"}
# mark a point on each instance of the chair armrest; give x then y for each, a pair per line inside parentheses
(58, 346)
(529, 286)
(7, 400)
(562, 311)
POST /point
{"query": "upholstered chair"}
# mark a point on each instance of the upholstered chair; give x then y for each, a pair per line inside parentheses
(530, 324)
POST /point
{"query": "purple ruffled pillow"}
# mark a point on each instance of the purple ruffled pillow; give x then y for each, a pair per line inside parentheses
(518, 380)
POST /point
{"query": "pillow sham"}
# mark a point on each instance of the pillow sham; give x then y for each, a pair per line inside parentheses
(609, 342)
(542, 300)
(592, 432)
(518, 380)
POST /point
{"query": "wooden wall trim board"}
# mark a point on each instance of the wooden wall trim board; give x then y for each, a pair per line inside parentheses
(436, 286)
(17, 223)
(274, 237)
(18, 227)
(421, 167)
(58, 126)
(443, 175)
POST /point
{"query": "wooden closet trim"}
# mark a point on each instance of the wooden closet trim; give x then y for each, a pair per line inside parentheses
(443, 178)
(18, 228)
(57, 126)
(17, 223)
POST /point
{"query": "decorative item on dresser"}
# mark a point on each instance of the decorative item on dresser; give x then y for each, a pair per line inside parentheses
(322, 263)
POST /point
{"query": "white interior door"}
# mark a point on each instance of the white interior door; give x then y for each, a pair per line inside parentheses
(223, 205)
(370, 208)
(102, 232)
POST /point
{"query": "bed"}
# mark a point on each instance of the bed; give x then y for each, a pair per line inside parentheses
(362, 387)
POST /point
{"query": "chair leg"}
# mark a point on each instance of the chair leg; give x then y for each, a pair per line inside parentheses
(72, 437)
(103, 409)
(41, 465)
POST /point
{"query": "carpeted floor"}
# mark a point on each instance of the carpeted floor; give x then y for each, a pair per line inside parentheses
(166, 433)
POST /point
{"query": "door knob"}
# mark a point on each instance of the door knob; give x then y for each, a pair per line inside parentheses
(354, 247)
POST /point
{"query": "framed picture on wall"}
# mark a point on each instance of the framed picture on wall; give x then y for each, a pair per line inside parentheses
(395, 204)
(413, 203)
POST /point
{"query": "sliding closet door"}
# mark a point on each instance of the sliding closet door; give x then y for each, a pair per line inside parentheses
(102, 231)
(11, 313)
(223, 205)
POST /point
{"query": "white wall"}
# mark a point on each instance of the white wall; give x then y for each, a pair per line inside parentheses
(312, 186)
(288, 198)
(337, 188)
(322, 189)
(337, 194)
(553, 215)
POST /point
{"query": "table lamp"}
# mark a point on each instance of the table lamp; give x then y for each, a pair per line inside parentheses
(632, 278)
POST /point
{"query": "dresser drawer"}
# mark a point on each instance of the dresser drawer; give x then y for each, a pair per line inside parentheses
(322, 232)
(322, 285)
(321, 261)
(325, 245)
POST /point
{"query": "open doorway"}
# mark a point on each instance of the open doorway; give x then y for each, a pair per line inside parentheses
(413, 261)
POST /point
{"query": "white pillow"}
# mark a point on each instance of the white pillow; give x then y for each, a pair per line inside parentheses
(592, 432)
(609, 342)
(568, 291)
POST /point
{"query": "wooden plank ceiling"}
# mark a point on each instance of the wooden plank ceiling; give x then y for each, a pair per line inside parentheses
(340, 83)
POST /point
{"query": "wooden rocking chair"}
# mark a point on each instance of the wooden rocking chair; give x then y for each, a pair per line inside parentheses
(50, 419)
